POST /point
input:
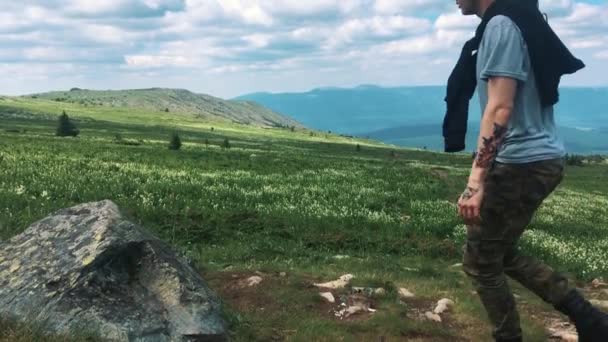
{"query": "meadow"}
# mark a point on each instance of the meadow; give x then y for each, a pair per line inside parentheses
(294, 206)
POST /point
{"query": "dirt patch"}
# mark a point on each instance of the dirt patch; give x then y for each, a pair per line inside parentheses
(234, 289)
(279, 296)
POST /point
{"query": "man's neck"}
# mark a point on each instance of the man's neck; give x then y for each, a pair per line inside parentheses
(483, 6)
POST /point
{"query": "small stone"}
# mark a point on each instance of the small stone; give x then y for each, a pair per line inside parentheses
(380, 292)
(443, 306)
(328, 296)
(88, 260)
(563, 331)
(341, 257)
(433, 317)
(602, 304)
(337, 284)
(458, 265)
(253, 281)
(405, 293)
(283, 274)
(15, 267)
(569, 337)
(351, 310)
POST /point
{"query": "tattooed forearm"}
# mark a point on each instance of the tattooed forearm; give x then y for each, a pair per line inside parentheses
(468, 193)
(490, 147)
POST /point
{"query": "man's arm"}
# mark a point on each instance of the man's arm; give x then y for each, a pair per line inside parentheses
(494, 123)
(501, 99)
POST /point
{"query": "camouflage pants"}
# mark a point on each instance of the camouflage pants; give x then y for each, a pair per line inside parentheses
(513, 192)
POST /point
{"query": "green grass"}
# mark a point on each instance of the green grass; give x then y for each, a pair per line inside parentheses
(282, 201)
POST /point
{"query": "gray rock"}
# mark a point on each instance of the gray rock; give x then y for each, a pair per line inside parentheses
(86, 267)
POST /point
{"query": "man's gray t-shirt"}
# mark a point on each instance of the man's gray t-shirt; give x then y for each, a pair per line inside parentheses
(532, 134)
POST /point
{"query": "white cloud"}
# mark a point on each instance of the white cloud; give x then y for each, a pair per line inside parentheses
(249, 11)
(456, 21)
(258, 40)
(601, 54)
(45, 54)
(379, 26)
(590, 43)
(156, 61)
(556, 7)
(105, 34)
(401, 6)
(94, 7)
(289, 42)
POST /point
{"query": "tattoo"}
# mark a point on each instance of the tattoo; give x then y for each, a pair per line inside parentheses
(469, 193)
(490, 147)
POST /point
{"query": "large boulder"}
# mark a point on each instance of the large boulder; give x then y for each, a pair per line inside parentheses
(87, 267)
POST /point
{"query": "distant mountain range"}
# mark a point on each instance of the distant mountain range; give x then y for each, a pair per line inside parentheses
(174, 101)
(412, 116)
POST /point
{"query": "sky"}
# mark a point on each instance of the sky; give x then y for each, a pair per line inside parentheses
(228, 48)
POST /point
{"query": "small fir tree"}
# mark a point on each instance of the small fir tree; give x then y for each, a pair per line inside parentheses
(175, 143)
(66, 127)
(226, 143)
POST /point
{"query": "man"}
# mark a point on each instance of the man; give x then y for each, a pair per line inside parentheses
(519, 161)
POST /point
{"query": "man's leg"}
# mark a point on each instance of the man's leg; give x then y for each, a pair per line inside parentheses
(536, 276)
(483, 262)
(539, 180)
(487, 244)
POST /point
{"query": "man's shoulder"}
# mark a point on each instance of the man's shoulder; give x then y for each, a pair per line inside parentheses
(502, 28)
(501, 22)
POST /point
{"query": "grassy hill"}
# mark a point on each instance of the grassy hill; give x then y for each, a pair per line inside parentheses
(178, 101)
(295, 207)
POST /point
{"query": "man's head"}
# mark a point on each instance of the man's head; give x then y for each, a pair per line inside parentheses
(478, 7)
(468, 7)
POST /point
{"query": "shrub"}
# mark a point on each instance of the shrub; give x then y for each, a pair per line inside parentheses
(574, 160)
(65, 127)
(175, 143)
(226, 143)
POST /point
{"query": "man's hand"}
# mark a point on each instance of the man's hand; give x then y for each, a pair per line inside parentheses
(469, 204)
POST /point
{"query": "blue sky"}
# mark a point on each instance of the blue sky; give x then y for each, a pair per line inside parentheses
(231, 47)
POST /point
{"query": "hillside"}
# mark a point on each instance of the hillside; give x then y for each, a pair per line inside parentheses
(295, 208)
(176, 101)
(412, 116)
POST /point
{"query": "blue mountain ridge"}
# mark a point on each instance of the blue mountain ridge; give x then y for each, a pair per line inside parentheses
(412, 116)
